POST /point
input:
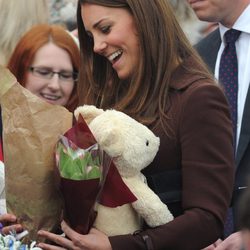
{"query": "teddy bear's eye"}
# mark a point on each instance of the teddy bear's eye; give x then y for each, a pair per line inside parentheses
(147, 143)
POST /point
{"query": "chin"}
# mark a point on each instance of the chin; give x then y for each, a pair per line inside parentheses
(124, 75)
(53, 102)
(203, 16)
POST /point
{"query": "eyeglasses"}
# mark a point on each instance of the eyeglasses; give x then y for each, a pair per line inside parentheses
(48, 73)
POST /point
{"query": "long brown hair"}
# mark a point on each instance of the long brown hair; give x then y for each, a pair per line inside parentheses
(163, 46)
(35, 38)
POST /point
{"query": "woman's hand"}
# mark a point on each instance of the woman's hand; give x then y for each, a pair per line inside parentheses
(9, 223)
(232, 242)
(94, 240)
(213, 246)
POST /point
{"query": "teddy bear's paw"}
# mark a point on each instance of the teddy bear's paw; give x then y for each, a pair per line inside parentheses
(157, 219)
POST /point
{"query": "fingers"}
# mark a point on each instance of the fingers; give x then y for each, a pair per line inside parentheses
(68, 230)
(217, 243)
(12, 228)
(50, 247)
(7, 221)
(75, 241)
(66, 227)
(62, 242)
(210, 247)
(213, 246)
(7, 218)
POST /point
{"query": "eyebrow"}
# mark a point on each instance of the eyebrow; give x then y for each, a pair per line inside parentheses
(97, 23)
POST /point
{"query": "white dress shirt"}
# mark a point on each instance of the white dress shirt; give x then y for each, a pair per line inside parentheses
(243, 55)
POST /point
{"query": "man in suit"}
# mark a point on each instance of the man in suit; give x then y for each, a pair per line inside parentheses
(231, 14)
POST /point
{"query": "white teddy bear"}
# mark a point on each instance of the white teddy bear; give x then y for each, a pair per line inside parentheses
(133, 147)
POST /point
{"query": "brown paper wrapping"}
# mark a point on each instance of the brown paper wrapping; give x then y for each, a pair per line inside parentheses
(31, 128)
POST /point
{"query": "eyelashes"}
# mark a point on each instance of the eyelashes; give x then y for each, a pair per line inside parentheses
(105, 29)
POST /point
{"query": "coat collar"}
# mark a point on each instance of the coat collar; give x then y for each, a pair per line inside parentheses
(181, 79)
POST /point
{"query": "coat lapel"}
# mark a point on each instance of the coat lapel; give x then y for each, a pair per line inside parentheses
(245, 131)
(208, 48)
(213, 51)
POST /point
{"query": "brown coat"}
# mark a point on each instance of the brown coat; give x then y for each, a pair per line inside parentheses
(201, 146)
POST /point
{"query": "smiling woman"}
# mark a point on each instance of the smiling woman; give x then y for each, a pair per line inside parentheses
(46, 62)
(123, 43)
(136, 58)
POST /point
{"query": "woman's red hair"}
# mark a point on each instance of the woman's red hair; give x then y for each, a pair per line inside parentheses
(39, 35)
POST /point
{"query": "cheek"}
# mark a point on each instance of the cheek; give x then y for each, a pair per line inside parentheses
(67, 90)
(134, 42)
(135, 51)
(33, 84)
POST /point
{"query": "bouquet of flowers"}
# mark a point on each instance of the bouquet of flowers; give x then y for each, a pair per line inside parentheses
(83, 168)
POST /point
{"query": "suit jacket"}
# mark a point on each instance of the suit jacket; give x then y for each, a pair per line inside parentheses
(199, 145)
(208, 49)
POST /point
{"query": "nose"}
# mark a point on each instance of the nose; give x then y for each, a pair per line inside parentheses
(54, 83)
(99, 45)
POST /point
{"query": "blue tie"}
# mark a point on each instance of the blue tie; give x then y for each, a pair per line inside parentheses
(228, 76)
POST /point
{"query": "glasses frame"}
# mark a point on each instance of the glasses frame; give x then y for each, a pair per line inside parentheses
(51, 74)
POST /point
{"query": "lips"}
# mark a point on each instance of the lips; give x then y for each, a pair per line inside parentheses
(193, 1)
(50, 97)
(197, 5)
(115, 56)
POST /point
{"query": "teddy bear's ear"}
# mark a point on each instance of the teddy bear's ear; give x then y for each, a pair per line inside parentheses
(110, 141)
(88, 112)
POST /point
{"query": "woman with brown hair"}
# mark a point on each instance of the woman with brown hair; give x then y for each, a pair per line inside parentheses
(137, 60)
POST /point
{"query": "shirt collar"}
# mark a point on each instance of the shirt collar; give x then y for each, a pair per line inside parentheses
(241, 24)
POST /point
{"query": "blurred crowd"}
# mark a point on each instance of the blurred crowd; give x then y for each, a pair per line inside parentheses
(194, 28)
(28, 13)
(63, 12)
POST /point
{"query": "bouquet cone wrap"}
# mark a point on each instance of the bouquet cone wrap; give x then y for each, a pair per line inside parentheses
(31, 128)
(88, 176)
(83, 168)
